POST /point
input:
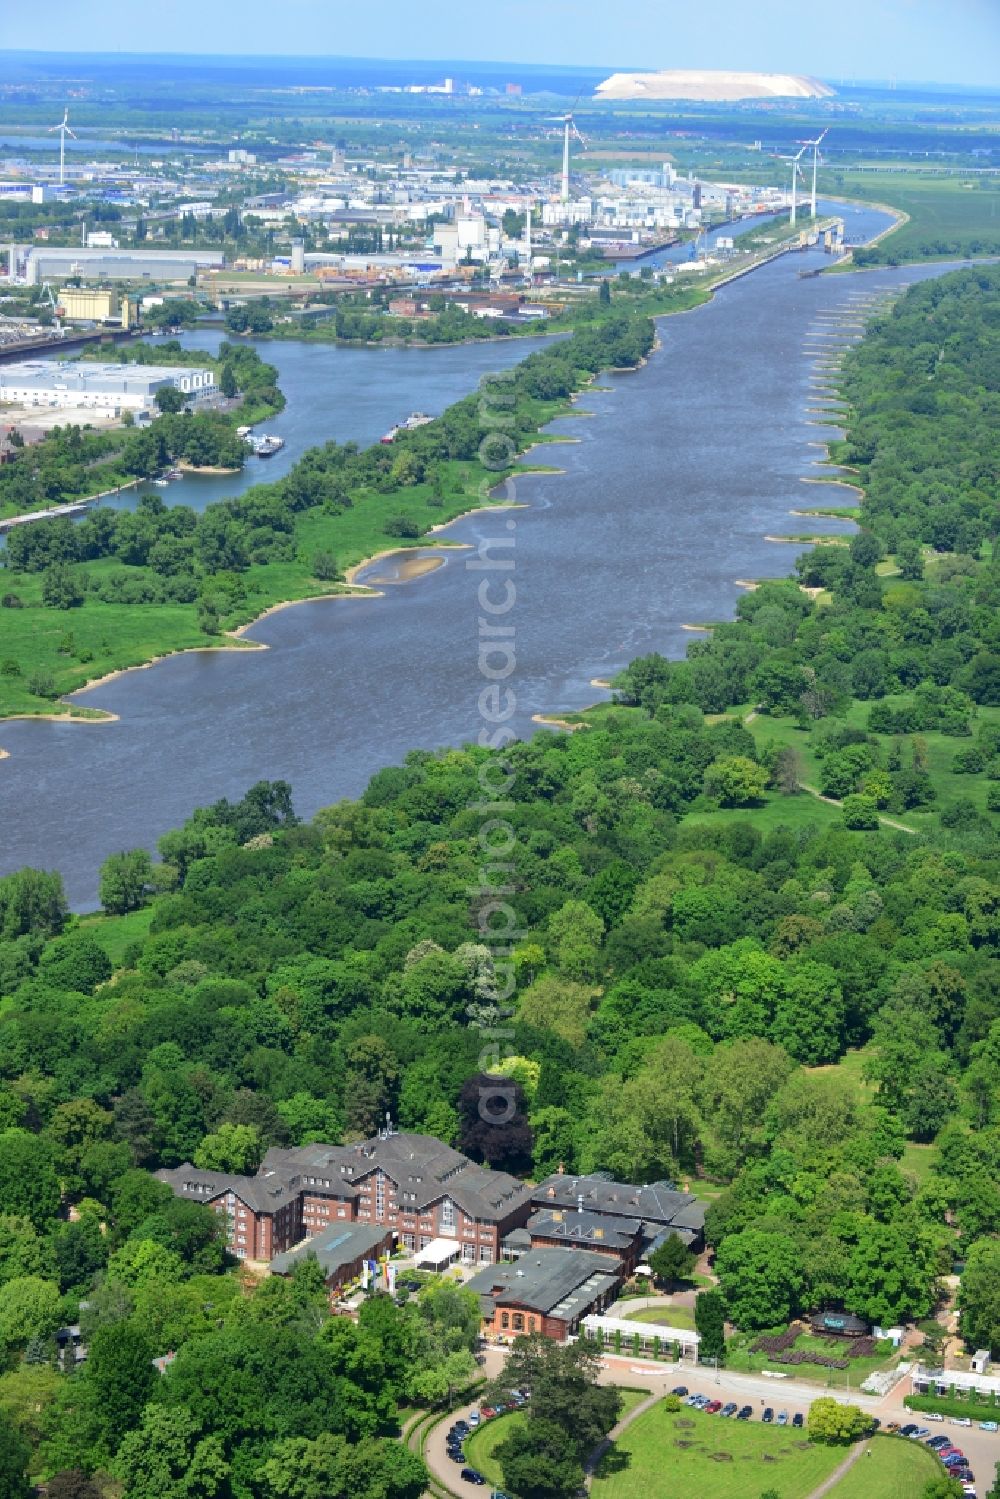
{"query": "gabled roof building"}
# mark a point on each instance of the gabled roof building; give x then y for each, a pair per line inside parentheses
(413, 1184)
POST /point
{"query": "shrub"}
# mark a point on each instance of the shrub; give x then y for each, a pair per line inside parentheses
(401, 525)
(860, 813)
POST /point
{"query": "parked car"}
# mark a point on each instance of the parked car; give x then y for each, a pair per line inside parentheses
(768, 1414)
(954, 1460)
(962, 1420)
(485, 1413)
(909, 1429)
(937, 1442)
(988, 1425)
(729, 1409)
(693, 1401)
(798, 1420)
(892, 1426)
(712, 1407)
(474, 1418)
(933, 1416)
(919, 1432)
(473, 1475)
(744, 1413)
(679, 1389)
(782, 1418)
(456, 1455)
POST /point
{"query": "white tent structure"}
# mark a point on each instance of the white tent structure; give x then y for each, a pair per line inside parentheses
(439, 1254)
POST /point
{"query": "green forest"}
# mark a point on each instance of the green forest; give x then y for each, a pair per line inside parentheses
(718, 977)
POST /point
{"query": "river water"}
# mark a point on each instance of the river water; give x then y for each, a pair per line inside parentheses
(676, 474)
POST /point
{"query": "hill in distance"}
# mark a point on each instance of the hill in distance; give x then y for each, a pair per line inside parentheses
(711, 84)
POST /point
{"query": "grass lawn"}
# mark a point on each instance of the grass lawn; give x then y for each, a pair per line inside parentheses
(941, 750)
(116, 933)
(665, 1316)
(896, 1469)
(664, 1455)
(483, 1442)
(481, 1445)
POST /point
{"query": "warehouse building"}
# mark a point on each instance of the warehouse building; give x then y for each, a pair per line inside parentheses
(55, 383)
(86, 304)
(51, 264)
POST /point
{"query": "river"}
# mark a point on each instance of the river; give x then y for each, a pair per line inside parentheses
(676, 474)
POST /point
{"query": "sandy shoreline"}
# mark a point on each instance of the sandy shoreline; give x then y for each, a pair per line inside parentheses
(829, 483)
(557, 723)
(205, 468)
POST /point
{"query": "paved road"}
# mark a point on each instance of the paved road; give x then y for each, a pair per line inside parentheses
(982, 1448)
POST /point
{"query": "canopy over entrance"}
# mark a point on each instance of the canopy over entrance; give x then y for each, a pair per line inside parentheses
(439, 1254)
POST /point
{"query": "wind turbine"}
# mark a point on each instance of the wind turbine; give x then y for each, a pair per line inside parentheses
(815, 151)
(568, 124)
(796, 173)
(64, 130)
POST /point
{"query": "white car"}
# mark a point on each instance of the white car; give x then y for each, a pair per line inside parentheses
(962, 1420)
(474, 1418)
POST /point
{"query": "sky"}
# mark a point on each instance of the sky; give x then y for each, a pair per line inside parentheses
(944, 41)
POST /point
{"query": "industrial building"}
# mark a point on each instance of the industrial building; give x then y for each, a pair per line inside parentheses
(95, 305)
(45, 264)
(106, 387)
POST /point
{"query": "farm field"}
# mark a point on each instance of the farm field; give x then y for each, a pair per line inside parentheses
(949, 217)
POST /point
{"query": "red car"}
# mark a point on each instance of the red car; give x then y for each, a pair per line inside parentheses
(712, 1407)
(486, 1412)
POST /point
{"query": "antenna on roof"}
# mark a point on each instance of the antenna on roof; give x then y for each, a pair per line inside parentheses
(579, 1202)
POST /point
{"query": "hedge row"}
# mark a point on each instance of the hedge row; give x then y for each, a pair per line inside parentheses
(982, 1409)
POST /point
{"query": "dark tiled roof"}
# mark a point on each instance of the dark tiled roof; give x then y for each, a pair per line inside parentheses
(657, 1206)
(261, 1193)
(589, 1230)
(421, 1167)
(559, 1282)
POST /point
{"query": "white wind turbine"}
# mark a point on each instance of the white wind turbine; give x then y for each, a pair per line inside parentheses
(815, 151)
(796, 174)
(569, 125)
(64, 130)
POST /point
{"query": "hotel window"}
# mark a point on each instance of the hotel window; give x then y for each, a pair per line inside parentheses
(447, 1213)
(504, 1319)
(518, 1322)
(485, 1254)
